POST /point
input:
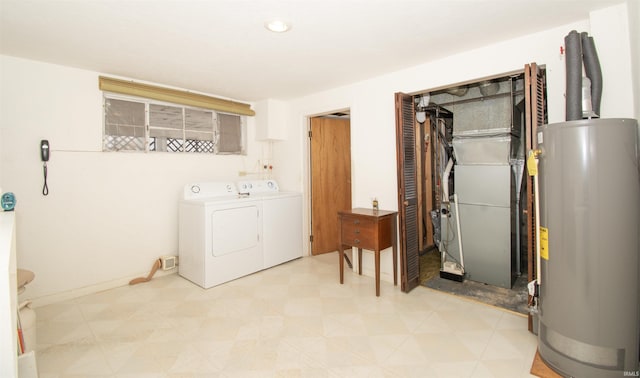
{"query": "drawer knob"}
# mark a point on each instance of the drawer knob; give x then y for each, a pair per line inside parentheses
(357, 231)
(357, 241)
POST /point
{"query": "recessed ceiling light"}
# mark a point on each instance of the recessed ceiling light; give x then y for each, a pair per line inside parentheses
(277, 26)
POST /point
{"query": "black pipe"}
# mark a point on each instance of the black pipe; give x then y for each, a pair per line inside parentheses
(592, 70)
(573, 62)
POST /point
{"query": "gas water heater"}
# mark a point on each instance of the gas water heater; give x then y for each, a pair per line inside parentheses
(590, 241)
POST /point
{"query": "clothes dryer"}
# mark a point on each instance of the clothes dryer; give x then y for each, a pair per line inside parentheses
(220, 234)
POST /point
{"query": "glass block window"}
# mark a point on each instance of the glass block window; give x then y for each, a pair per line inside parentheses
(132, 124)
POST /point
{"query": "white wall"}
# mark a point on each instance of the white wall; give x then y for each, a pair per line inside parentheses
(613, 42)
(371, 102)
(108, 216)
(633, 7)
(1, 158)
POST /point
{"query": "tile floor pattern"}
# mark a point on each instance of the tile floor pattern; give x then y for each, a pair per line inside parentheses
(294, 320)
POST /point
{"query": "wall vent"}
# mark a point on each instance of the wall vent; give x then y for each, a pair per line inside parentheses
(169, 262)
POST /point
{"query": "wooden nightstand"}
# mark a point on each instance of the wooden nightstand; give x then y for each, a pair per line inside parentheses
(369, 229)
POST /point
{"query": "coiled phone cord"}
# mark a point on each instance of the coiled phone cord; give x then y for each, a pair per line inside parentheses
(45, 188)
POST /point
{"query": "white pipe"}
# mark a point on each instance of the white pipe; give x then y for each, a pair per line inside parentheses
(445, 180)
(455, 199)
(537, 202)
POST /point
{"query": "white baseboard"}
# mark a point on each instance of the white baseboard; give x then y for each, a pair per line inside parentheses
(384, 276)
(76, 293)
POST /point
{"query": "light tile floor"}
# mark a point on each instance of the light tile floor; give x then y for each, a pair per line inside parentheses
(294, 320)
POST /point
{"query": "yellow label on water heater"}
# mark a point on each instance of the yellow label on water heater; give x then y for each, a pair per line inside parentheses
(544, 243)
(532, 165)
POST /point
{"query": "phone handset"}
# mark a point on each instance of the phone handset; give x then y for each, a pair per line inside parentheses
(44, 155)
(44, 150)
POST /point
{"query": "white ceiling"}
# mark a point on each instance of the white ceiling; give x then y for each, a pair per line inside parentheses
(221, 46)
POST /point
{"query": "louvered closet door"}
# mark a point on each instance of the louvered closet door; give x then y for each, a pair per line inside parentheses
(407, 192)
(535, 116)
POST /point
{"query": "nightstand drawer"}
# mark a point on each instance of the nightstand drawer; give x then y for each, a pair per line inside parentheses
(360, 233)
(360, 240)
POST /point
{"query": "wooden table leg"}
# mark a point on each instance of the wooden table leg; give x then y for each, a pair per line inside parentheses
(395, 267)
(394, 248)
(340, 257)
(346, 258)
(377, 253)
(360, 261)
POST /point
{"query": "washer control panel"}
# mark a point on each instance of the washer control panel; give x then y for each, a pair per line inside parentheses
(258, 186)
(209, 189)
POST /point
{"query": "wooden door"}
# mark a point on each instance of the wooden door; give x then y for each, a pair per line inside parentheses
(535, 116)
(330, 180)
(407, 193)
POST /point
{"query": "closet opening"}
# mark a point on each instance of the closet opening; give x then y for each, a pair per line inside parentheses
(470, 143)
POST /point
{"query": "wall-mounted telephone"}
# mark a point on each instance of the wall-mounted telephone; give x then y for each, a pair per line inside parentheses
(44, 150)
(44, 155)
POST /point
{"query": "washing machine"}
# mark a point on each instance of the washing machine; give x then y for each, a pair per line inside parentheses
(228, 230)
(220, 234)
(281, 220)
